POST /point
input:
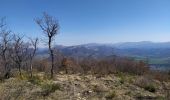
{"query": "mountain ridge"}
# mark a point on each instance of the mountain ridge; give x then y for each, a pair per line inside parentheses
(128, 44)
(156, 51)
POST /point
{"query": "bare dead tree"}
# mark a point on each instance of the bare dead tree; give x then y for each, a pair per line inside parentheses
(33, 48)
(19, 52)
(5, 38)
(50, 28)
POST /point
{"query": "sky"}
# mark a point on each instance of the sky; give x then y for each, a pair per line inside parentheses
(92, 21)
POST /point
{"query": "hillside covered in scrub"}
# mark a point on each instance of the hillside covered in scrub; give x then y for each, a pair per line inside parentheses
(118, 86)
(89, 64)
(79, 74)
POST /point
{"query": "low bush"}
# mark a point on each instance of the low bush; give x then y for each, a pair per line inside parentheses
(150, 88)
(99, 88)
(146, 83)
(35, 80)
(110, 95)
(48, 88)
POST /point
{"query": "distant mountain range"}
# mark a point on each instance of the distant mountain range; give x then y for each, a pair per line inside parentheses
(143, 44)
(158, 52)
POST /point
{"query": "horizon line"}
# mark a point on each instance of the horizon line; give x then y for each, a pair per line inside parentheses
(60, 44)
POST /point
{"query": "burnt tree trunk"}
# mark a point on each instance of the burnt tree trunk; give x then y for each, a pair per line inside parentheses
(52, 57)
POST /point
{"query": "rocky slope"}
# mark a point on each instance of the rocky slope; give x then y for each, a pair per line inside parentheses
(84, 87)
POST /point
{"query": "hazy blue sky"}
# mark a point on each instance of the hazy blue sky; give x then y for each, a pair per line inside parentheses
(89, 21)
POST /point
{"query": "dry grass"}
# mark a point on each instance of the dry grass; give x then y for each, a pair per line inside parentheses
(76, 86)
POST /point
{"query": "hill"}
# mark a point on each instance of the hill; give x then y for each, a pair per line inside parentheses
(131, 49)
(83, 87)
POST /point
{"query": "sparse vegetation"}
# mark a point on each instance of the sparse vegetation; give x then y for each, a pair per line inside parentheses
(48, 88)
(71, 78)
(111, 95)
(35, 80)
(150, 88)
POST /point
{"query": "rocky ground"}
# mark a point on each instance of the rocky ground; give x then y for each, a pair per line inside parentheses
(84, 87)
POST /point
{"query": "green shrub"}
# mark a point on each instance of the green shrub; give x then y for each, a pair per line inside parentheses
(150, 88)
(23, 76)
(122, 81)
(99, 88)
(122, 78)
(146, 83)
(111, 95)
(49, 88)
(35, 80)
